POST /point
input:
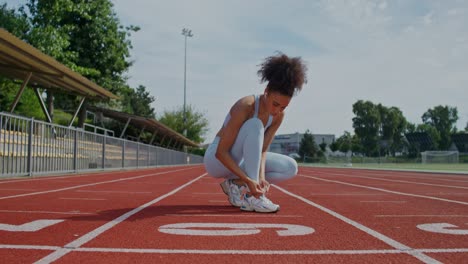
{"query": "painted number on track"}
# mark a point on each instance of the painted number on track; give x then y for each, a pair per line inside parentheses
(443, 228)
(29, 227)
(232, 229)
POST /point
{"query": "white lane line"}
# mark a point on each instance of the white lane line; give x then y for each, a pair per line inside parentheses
(84, 199)
(236, 215)
(126, 192)
(29, 247)
(442, 193)
(307, 184)
(46, 212)
(412, 182)
(62, 177)
(6, 189)
(421, 175)
(209, 193)
(89, 184)
(236, 252)
(443, 250)
(96, 232)
(382, 201)
(388, 191)
(347, 194)
(421, 215)
(387, 240)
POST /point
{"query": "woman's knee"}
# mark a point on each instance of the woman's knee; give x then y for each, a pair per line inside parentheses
(291, 168)
(254, 124)
(281, 168)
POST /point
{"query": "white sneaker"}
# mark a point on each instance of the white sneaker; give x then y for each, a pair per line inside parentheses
(225, 186)
(233, 191)
(259, 205)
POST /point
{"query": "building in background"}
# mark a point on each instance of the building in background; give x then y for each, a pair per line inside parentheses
(288, 144)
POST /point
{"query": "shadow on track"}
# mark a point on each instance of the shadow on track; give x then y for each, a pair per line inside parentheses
(158, 211)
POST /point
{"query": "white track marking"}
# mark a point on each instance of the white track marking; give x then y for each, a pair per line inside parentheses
(443, 228)
(232, 229)
(421, 215)
(62, 177)
(29, 247)
(307, 184)
(212, 193)
(382, 174)
(126, 192)
(255, 215)
(442, 193)
(412, 182)
(387, 240)
(241, 252)
(84, 199)
(347, 194)
(32, 226)
(89, 184)
(382, 201)
(5, 189)
(45, 212)
(388, 191)
(96, 232)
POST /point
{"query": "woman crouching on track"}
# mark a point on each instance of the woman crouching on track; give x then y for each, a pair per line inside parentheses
(239, 151)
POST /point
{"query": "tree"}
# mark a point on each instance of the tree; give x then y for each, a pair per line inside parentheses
(197, 124)
(393, 126)
(356, 145)
(443, 119)
(334, 146)
(323, 147)
(28, 104)
(138, 102)
(344, 142)
(366, 125)
(307, 147)
(84, 35)
(380, 129)
(13, 22)
(16, 24)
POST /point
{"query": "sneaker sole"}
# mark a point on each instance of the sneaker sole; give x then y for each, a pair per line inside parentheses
(259, 211)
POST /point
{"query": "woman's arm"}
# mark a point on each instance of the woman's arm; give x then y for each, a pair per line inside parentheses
(269, 135)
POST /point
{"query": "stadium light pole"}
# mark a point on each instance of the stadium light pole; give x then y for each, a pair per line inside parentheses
(187, 33)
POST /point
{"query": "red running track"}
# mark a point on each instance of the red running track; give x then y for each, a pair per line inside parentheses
(180, 215)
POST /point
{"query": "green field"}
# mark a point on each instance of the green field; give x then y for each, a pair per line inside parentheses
(455, 168)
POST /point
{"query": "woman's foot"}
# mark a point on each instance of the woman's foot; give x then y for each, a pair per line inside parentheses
(233, 191)
(259, 205)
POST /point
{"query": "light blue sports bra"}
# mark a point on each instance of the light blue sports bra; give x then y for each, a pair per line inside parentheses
(257, 97)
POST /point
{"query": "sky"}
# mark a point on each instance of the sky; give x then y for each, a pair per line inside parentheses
(410, 54)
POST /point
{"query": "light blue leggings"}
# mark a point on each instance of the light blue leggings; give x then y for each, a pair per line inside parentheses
(246, 151)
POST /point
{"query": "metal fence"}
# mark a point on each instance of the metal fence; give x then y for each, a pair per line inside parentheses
(31, 147)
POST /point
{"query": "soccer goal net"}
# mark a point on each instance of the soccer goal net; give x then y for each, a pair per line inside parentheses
(439, 157)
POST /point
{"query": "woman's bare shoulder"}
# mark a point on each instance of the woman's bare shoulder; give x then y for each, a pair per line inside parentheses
(244, 104)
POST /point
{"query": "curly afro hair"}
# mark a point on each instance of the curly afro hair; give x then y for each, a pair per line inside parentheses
(284, 74)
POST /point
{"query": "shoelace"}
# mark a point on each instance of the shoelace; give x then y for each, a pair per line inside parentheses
(266, 200)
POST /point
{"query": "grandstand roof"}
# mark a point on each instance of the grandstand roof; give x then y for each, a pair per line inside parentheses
(148, 124)
(460, 141)
(18, 59)
(421, 139)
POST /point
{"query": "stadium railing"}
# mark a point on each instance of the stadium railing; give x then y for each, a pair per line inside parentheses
(31, 147)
